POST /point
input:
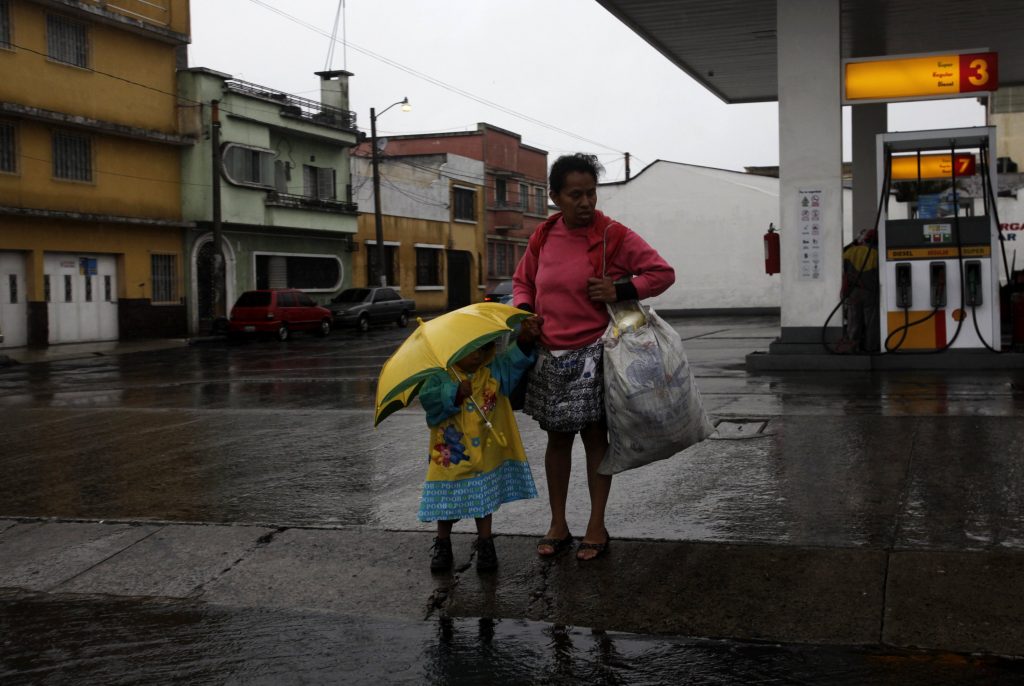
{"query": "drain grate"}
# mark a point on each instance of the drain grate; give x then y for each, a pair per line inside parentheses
(733, 430)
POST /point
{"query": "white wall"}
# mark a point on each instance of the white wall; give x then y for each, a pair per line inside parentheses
(709, 225)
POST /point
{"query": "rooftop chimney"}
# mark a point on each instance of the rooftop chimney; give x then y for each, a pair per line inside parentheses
(334, 88)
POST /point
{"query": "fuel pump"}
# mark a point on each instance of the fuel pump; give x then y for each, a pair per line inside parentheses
(937, 267)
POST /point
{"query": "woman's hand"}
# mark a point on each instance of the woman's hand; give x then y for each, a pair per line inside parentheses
(601, 290)
(529, 330)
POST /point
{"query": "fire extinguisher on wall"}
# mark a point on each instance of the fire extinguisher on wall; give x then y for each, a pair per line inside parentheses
(771, 250)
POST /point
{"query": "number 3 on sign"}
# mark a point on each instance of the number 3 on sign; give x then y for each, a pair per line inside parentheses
(979, 72)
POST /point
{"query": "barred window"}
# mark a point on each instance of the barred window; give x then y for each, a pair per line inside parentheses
(67, 41)
(524, 197)
(541, 202)
(165, 278)
(500, 192)
(249, 166)
(8, 156)
(5, 24)
(465, 204)
(428, 267)
(72, 156)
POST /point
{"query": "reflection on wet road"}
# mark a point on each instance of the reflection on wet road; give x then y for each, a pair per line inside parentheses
(94, 640)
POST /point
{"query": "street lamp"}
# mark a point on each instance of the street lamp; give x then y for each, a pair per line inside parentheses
(378, 224)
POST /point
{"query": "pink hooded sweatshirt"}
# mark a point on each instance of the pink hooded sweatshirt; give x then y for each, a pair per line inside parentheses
(551, 278)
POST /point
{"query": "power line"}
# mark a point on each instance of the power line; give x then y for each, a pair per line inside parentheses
(435, 81)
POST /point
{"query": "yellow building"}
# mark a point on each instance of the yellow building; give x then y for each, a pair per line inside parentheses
(432, 224)
(90, 169)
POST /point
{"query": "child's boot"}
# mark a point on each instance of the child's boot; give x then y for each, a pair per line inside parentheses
(441, 560)
(486, 556)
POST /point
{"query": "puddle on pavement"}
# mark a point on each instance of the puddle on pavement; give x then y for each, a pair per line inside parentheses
(50, 639)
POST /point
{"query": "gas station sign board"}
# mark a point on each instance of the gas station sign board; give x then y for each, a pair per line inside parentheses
(920, 77)
(933, 166)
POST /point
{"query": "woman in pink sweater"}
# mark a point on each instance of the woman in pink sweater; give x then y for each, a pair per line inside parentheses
(578, 260)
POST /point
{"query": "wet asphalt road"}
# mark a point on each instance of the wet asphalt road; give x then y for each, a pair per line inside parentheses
(282, 434)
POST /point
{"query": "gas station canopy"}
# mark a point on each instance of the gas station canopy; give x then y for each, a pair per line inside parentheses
(730, 46)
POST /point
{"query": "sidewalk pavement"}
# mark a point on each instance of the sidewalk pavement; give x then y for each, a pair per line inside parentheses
(841, 508)
(76, 351)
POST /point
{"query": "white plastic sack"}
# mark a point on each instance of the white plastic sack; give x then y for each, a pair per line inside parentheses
(653, 406)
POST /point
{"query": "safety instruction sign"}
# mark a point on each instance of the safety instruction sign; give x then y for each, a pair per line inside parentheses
(809, 215)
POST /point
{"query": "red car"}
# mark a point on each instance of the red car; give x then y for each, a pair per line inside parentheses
(279, 311)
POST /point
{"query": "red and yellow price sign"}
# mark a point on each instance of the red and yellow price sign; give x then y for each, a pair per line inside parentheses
(937, 166)
(915, 77)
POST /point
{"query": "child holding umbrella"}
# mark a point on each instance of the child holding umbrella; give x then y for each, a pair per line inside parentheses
(476, 459)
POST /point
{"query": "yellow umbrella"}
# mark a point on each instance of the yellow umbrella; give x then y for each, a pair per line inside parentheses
(435, 345)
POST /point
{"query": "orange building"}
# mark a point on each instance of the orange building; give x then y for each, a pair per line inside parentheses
(90, 170)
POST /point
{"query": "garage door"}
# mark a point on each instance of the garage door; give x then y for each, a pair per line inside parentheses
(13, 306)
(81, 294)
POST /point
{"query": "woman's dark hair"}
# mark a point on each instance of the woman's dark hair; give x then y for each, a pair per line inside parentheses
(576, 162)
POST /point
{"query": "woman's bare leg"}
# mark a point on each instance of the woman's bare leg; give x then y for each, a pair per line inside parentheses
(595, 442)
(557, 468)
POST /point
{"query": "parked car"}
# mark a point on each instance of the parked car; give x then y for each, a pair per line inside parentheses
(278, 311)
(502, 293)
(361, 307)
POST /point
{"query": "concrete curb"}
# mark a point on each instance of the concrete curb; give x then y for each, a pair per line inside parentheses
(951, 601)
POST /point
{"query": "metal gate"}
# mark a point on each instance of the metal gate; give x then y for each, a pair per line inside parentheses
(13, 305)
(81, 296)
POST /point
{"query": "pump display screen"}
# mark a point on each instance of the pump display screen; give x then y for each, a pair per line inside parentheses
(938, 233)
(918, 239)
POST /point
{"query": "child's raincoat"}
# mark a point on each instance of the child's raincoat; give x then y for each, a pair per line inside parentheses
(470, 473)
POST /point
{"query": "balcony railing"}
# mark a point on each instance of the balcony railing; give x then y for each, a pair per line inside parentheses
(294, 106)
(151, 11)
(302, 202)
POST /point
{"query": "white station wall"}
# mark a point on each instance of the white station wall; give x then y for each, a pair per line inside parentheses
(709, 225)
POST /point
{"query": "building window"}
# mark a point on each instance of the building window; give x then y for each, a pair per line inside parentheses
(108, 294)
(8, 156)
(67, 41)
(68, 290)
(372, 273)
(540, 200)
(501, 259)
(249, 166)
(165, 278)
(524, 197)
(465, 204)
(5, 24)
(500, 192)
(305, 272)
(46, 287)
(12, 282)
(318, 182)
(428, 267)
(72, 156)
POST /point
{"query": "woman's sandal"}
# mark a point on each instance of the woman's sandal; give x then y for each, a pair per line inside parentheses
(599, 548)
(557, 545)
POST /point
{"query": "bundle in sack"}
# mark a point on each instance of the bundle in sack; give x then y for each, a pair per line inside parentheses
(653, 407)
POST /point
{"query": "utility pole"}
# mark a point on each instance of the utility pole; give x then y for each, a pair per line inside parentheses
(378, 222)
(217, 287)
(627, 166)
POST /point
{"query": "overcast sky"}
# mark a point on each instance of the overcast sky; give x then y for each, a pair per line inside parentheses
(564, 74)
